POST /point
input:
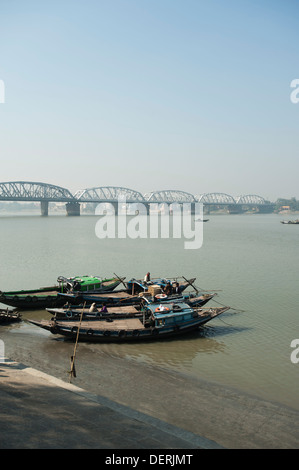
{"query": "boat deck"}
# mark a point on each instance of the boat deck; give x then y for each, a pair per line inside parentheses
(126, 309)
(100, 295)
(122, 324)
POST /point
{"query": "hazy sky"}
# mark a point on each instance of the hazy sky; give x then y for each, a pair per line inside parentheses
(151, 94)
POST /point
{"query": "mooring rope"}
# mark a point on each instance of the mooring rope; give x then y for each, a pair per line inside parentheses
(237, 310)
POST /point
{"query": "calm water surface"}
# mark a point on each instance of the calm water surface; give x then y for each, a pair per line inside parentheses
(252, 261)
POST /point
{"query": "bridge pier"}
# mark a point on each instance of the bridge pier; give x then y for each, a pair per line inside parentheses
(72, 208)
(115, 206)
(44, 206)
(147, 208)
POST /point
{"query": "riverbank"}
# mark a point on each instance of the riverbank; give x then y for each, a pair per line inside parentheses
(39, 411)
(135, 407)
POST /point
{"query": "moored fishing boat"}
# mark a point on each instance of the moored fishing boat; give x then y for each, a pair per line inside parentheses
(33, 299)
(156, 322)
(134, 289)
(122, 299)
(36, 299)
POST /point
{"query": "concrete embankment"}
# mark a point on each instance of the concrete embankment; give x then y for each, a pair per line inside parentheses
(39, 411)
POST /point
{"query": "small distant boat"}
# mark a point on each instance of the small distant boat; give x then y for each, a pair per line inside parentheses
(290, 222)
(37, 299)
(9, 316)
(156, 323)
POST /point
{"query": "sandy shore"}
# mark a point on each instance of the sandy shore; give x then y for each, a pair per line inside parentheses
(222, 415)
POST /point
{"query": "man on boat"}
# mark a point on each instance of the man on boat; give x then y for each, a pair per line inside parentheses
(176, 288)
(93, 308)
(147, 278)
(168, 289)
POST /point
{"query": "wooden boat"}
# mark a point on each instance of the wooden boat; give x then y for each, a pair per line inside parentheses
(120, 297)
(155, 324)
(94, 304)
(9, 316)
(131, 296)
(37, 299)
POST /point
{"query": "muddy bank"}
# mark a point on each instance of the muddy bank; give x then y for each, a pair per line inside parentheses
(232, 419)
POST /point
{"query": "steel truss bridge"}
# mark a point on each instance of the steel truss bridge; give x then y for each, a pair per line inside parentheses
(46, 193)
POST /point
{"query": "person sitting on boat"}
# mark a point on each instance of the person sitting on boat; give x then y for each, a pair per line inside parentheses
(176, 288)
(93, 308)
(104, 309)
(168, 289)
(147, 278)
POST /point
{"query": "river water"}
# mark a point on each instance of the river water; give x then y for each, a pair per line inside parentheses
(251, 261)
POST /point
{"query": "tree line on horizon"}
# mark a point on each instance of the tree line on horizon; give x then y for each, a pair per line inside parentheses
(293, 203)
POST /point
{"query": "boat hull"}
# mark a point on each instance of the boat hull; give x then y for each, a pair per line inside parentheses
(32, 299)
(51, 297)
(130, 330)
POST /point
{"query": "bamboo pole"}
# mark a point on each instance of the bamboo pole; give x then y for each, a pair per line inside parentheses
(73, 370)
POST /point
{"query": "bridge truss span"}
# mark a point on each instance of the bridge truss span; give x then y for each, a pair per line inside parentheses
(33, 191)
(216, 198)
(170, 196)
(46, 193)
(108, 194)
(251, 199)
